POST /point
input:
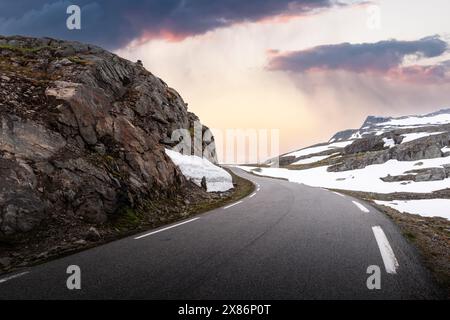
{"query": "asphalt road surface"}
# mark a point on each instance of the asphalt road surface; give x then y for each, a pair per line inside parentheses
(285, 241)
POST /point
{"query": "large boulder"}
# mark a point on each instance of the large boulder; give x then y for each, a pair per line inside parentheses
(371, 143)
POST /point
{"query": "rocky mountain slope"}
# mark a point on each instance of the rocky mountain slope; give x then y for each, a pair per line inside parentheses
(408, 155)
(379, 140)
(83, 134)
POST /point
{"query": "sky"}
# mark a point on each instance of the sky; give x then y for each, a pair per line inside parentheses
(308, 67)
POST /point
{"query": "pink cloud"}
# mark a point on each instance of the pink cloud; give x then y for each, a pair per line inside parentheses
(380, 59)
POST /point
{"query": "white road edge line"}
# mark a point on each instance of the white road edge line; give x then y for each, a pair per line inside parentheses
(13, 276)
(361, 207)
(389, 259)
(252, 195)
(258, 189)
(166, 228)
(341, 195)
(232, 204)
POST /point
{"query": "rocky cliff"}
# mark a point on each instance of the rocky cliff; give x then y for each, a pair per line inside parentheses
(82, 136)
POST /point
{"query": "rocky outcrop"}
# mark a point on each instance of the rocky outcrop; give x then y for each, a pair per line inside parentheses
(343, 135)
(374, 120)
(420, 175)
(363, 152)
(372, 143)
(429, 174)
(82, 134)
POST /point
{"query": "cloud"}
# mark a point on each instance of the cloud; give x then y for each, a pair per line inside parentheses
(384, 58)
(347, 81)
(114, 23)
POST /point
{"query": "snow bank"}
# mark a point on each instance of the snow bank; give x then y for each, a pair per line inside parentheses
(318, 149)
(195, 168)
(366, 179)
(425, 208)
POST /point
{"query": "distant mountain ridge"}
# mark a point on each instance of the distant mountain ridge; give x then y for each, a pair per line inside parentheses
(397, 158)
(379, 140)
(372, 121)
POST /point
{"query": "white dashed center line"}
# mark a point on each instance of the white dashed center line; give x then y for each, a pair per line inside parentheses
(13, 276)
(166, 228)
(361, 207)
(231, 205)
(389, 259)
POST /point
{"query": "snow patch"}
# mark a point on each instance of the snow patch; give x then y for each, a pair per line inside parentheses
(389, 143)
(356, 135)
(408, 137)
(195, 168)
(415, 121)
(425, 207)
(318, 149)
(312, 159)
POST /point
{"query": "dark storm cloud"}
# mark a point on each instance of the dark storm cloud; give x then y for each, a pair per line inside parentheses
(113, 23)
(383, 56)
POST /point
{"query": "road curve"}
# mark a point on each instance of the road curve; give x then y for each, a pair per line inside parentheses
(285, 241)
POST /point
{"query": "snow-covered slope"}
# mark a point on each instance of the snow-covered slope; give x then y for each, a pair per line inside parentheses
(385, 156)
(424, 207)
(195, 168)
(434, 119)
(379, 125)
(319, 149)
(391, 131)
(367, 179)
(408, 137)
(311, 160)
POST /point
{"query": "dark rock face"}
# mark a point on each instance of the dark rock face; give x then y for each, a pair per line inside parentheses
(287, 160)
(431, 174)
(343, 135)
(82, 132)
(373, 120)
(363, 152)
(420, 175)
(372, 143)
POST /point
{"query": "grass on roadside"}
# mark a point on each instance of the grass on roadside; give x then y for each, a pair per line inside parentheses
(130, 221)
(430, 235)
(242, 188)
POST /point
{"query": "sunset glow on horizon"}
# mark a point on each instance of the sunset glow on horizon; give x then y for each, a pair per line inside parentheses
(306, 67)
(225, 77)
